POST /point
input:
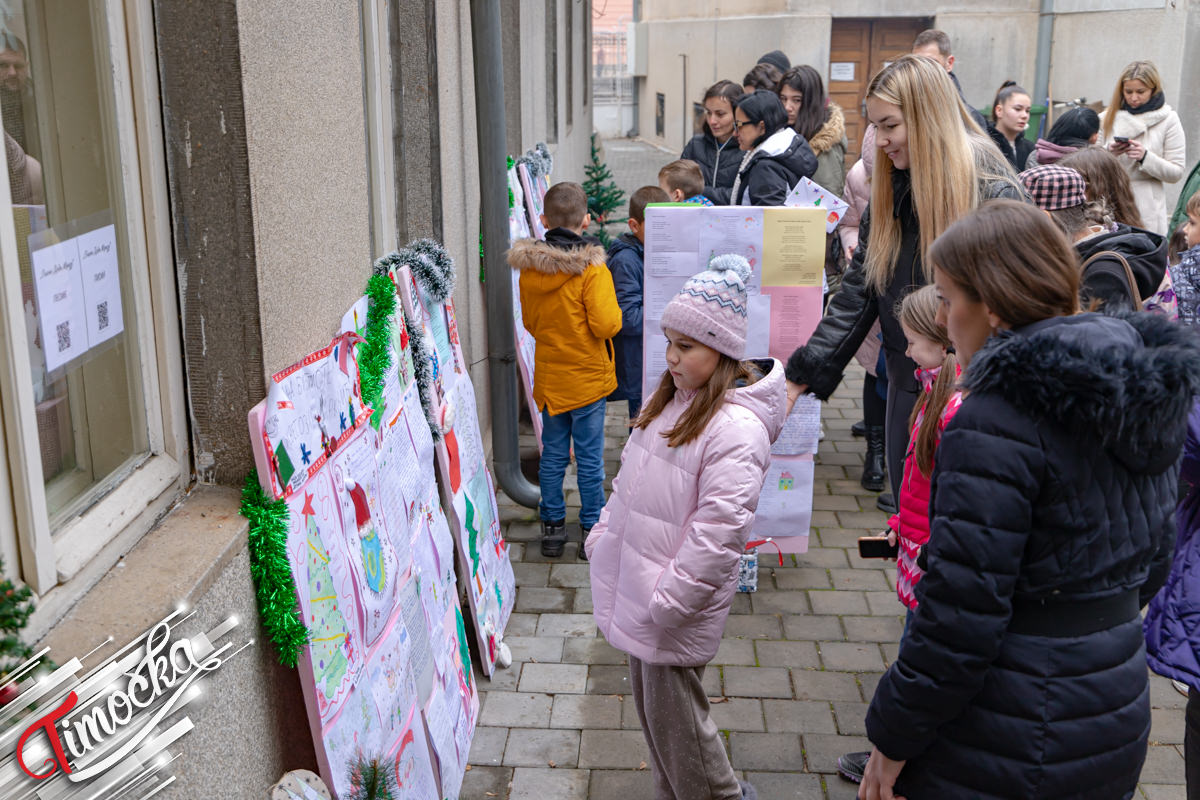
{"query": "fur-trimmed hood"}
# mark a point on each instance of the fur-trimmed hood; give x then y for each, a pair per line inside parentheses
(1129, 381)
(832, 133)
(538, 256)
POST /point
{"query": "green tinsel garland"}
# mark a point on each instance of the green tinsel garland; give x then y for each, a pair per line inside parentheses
(375, 355)
(272, 573)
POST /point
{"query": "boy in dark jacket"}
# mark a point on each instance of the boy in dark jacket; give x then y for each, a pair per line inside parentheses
(625, 260)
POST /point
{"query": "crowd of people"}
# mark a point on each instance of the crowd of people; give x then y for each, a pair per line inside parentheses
(1028, 324)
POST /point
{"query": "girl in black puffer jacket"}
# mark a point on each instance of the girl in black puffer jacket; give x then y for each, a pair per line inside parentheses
(1023, 674)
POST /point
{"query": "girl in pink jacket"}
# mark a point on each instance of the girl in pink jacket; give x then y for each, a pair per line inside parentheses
(664, 555)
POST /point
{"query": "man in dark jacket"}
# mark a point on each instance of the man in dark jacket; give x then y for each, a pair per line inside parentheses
(625, 260)
(935, 44)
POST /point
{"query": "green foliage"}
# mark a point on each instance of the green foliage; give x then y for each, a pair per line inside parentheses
(16, 605)
(370, 779)
(272, 573)
(605, 198)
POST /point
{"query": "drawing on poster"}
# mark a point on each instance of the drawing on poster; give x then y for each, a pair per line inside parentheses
(414, 774)
(355, 730)
(391, 679)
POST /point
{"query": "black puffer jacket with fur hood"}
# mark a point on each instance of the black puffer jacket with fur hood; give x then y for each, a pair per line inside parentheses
(1053, 494)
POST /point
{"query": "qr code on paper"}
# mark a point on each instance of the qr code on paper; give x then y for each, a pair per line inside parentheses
(64, 336)
(102, 315)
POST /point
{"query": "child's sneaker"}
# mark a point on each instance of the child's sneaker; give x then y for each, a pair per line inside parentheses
(852, 765)
(554, 538)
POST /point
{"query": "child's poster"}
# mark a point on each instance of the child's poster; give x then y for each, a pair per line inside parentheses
(785, 248)
(372, 557)
(519, 213)
(466, 480)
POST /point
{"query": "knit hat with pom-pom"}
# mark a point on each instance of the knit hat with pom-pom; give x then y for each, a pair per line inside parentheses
(711, 306)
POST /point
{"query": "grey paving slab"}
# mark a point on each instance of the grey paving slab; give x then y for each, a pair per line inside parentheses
(851, 656)
(822, 750)
(757, 682)
(1164, 791)
(583, 601)
(1166, 726)
(868, 681)
(543, 649)
(613, 750)
(566, 625)
(811, 684)
(586, 711)
(786, 786)
(798, 716)
(539, 600)
(736, 651)
(531, 783)
(838, 602)
(612, 784)
(780, 602)
(813, 628)
(521, 625)
(531, 574)
(487, 746)
(503, 679)
(752, 626)
(766, 751)
(823, 556)
(787, 654)
(865, 579)
(591, 650)
(570, 576)
(516, 710)
(738, 714)
(608, 679)
(1164, 764)
(801, 578)
(885, 603)
(851, 717)
(553, 678)
(533, 747)
(873, 629)
(486, 782)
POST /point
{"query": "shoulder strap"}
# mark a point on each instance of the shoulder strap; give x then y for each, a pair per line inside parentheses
(1133, 290)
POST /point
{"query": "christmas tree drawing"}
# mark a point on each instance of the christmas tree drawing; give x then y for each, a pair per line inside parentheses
(330, 637)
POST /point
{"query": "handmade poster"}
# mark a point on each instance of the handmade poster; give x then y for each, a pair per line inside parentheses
(785, 248)
(474, 518)
(526, 351)
(367, 538)
(453, 707)
(808, 194)
(373, 557)
(101, 284)
(312, 408)
(534, 193)
(321, 567)
(62, 307)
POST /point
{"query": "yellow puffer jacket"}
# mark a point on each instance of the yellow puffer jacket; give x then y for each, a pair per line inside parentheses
(569, 305)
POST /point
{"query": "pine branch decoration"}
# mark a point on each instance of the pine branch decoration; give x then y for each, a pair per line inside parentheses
(16, 605)
(370, 779)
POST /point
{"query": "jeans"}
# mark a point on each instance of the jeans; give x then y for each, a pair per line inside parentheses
(584, 426)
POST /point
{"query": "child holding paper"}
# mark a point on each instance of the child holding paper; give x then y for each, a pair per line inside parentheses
(569, 305)
(683, 182)
(625, 261)
(664, 554)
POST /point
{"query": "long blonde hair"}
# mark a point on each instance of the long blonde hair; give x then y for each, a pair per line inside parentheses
(1143, 71)
(950, 159)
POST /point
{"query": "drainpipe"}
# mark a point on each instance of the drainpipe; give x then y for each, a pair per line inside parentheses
(1045, 41)
(493, 185)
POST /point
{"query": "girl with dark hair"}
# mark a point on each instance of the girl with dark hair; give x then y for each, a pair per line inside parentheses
(1010, 118)
(1075, 128)
(763, 75)
(775, 157)
(716, 149)
(813, 116)
(1023, 671)
(1106, 180)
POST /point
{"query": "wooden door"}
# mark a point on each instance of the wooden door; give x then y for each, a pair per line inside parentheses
(858, 48)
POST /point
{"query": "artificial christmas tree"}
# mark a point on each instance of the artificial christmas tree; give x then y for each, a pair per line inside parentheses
(604, 196)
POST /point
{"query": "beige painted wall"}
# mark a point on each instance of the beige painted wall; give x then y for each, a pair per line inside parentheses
(302, 72)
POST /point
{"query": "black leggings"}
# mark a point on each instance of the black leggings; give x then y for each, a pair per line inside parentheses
(874, 406)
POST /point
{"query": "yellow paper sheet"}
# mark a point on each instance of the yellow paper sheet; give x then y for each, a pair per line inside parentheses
(793, 252)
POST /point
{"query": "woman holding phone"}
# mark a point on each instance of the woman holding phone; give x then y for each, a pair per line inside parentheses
(1145, 133)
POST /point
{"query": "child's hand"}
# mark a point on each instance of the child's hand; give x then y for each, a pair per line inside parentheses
(891, 534)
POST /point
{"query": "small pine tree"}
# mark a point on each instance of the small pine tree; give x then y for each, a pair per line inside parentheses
(604, 196)
(15, 607)
(371, 779)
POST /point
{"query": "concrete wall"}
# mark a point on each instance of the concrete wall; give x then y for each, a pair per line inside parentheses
(302, 72)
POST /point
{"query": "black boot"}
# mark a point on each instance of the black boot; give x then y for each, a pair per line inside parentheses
(859, 428)
(583, 541)
(554, 538)
(872, 474)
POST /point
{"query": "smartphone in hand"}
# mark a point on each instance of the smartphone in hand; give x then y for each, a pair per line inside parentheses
(877, 547)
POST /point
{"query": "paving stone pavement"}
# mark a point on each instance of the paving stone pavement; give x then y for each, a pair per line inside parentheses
(797, 666)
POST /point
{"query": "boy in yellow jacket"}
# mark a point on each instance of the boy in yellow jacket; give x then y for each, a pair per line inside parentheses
(569, 305)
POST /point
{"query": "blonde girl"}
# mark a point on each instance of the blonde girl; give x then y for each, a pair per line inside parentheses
(1145, 133)
(664, 554)
(937, 372)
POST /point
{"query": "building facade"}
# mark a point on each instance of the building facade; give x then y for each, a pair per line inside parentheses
(681, 47)
(217, 178)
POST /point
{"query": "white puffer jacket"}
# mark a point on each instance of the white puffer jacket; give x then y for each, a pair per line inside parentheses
(1161, 133)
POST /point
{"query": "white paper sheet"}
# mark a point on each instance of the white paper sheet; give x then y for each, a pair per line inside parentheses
(101, 283)
(61, 302)
(801, 431)
(419, 644)
(785, 505)
(671, 230)
(758, 326)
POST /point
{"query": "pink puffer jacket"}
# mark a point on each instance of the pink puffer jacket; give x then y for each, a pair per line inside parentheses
(664, 555)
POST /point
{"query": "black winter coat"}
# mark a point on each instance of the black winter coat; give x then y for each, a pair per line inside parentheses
(855, 307)
(625, 261)
(1105, 280)
(1024, 148)
(775, 167)
(1054, 486)
(718, 162)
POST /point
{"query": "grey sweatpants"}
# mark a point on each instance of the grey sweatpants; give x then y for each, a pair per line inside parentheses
(686, 750)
